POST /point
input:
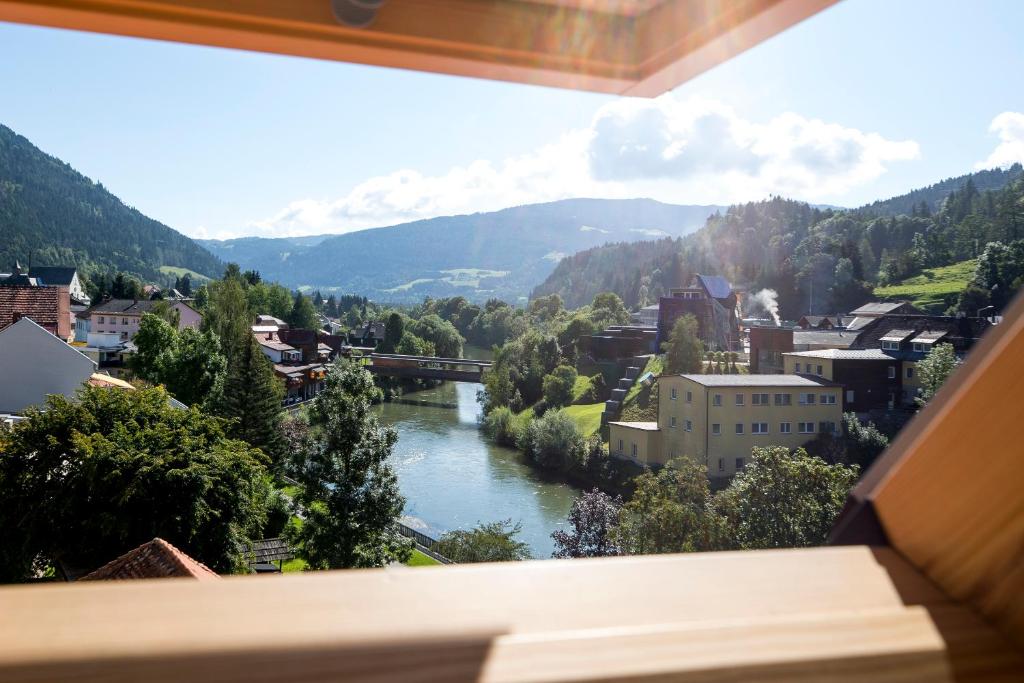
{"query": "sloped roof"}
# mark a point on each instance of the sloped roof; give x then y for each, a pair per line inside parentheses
(960, 332)
(878, 308)
(717, 287)
(156, 559)
(838, 339)
(41, 304)
(896, 335)
(123, 306)
(842, 354)
(53, 275)
(757, 381)
(643, 426)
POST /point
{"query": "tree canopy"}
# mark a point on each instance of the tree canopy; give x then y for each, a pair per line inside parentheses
(85, 480)
(491, 542)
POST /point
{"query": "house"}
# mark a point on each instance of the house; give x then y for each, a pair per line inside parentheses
(122, 316)
(868, 312)
(299, 358)
(368, 335)
(646, 316)
(60, 276)
(878, 370)
(768, 344)
(109, 351)
(713, 302)
(718, 419)
(49, 307)
(34, 364)
(823, 322)
(156, 559)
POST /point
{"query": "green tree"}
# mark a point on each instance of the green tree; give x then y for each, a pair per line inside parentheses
(934, 369)
(349, 493)
(154, 345)
(85, 480)
(353, 318)
(394, 329)
(684, 351)
(593, 518)
(554, 442)
(194, 372)
(608, 309)
(252, 401)
(783, 499)
(669, 512)
(303, 315)
(227, 315)
(493, 542)
(558, 386)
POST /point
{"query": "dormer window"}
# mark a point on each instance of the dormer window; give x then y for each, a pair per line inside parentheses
(920, 348)
(890, 346)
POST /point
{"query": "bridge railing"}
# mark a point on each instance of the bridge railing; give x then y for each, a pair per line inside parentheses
(425, 544)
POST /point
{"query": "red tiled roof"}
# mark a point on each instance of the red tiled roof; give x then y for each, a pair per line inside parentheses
(156, 559)
(41, 304)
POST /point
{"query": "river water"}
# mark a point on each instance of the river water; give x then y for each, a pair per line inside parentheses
(453, 478)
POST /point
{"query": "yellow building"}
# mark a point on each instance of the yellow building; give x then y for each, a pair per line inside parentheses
(718, 419)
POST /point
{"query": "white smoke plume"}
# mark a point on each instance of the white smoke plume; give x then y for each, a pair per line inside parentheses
(768, 299)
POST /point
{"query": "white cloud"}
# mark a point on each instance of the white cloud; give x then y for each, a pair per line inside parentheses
(1009, 126)
(692, 151)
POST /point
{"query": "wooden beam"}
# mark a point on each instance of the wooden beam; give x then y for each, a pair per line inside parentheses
(639, 48)
(837, 614)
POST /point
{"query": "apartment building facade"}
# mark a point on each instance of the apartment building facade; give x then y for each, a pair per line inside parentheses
(718, 419)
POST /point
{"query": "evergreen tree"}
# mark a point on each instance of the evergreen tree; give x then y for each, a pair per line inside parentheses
(252, 398)
(303, 315)
(349, 493)
(394, 328)
(684, 350)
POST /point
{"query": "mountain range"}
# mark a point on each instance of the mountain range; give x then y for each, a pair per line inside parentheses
(499, 254)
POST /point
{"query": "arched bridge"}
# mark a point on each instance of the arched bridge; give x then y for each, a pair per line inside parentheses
(427, 367)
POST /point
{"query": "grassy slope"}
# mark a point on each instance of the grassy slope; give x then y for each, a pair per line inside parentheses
(587, 417)
(932, 289)
(197, 278)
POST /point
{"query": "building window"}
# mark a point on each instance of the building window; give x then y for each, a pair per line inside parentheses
(785, 427)
(739, 427)
(674, 393)
(892, 372)
(828, 399)
(717, 401)
(100, 320)
(673, 423)
(620, 445)
(805, 427)
(689, 396)
(849, 395)
(124, 321)
(634, 450)
(721, 464)
(716, 429)
(739, 399)
(759, 428)
(739, 464)
(759, 399)
(783, 399)
(798, 367)
(819, 370)
(807, 399)
(689, 426)
(919, 347)
(827, 427)
(910, 373)
(890, 346)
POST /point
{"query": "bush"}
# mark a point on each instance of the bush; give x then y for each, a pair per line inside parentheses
(596, 392)
(494, 542)
(558, 386)
(554, 442)
(502, 426)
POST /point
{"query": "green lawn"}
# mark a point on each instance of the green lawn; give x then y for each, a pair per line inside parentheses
(587, 417)
(294, 565)
(933, 289)
(581, 387)
(420, 559)
(197, 278)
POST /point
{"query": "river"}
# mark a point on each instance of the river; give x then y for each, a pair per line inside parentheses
(453, 478)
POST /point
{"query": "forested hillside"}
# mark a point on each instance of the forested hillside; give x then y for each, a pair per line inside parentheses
(818, 260)
(56, 216)
(496, 254)
(929, 199)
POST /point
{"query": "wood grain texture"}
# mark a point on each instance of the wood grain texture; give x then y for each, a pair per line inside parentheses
(643, 48)
(950, 490)
(839, 614)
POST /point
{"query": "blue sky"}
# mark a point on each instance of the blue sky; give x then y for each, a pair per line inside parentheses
(866, 100)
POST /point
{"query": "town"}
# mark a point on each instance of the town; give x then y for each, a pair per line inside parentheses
(511, 341)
